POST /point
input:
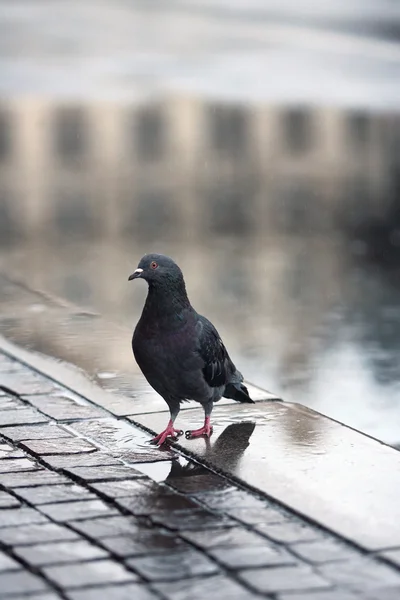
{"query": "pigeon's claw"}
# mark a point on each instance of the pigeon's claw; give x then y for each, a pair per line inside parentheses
(205, 431)
(169, 432)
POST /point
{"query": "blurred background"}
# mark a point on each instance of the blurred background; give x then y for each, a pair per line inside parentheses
(255, 141)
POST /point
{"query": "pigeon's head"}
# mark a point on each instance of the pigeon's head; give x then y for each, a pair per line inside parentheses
(157, 268)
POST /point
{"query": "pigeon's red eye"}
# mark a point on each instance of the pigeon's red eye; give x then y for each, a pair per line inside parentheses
(154, 265)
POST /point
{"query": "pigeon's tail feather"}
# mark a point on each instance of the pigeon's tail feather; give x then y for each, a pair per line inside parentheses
(238, 392)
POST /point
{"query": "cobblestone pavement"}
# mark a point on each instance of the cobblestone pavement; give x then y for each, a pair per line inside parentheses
(79, 522)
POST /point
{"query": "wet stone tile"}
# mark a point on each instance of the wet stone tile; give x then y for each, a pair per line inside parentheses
(217, 538)
(361, 575)
(147, 504)
(64, 409)
(91, 459)
(199, 483)
(55, 493)
(174, 565)
(20, 516)
(190, 519)
(8, 452)
(130, 591)
(253, 516)
(60, 553)
(21, 582)
(36, 534)
(289, 532)
(21, 416)
(62, 446)
(230, 499)
(10, 403)
(204, 587)
(144, 542)
(94, 573)
(283, 579)
(8, 564)
(38, 596)
(106, 473)
(392, 555)
(32, 478)
(322, 595)
(77, 510)
(28, 384)
(326, 550)
(242, 557)
(122, 488)
(8, 501)
(46, 431)
(18, 464)
(109, 526)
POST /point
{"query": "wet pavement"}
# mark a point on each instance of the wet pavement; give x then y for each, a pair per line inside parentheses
(82, 516)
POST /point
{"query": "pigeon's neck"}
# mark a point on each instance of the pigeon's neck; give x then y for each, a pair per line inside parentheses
(167, 300)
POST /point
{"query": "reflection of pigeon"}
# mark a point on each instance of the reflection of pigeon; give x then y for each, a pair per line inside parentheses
(179, 351)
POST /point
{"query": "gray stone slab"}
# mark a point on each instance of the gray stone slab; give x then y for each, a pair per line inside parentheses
(257, 516)
(122, 488)
(64, 409)
(130, 591)
(190, 519)
(81, 509)
(392, 555)
(96, 573)
(325, 550)
(20, 516)
(63, 446)
(21, 582)
(106, 473)
(8, 564)
(17, 465)
(91, 459)
(174, 565)
(36, 534)
(144, 542)
(64, 552)
(335, 594)
(148, 503)
(48, 494)
(204, 587)
(335, 475)
(22, 416)
(242, 557)
(10, 403)
(290, 532)
(106, 527)
(8, 501)
(231, 499)
(361, 574)
(283, 579)
(29, 383)
(46, 431)
(223, 538)
(32, 478)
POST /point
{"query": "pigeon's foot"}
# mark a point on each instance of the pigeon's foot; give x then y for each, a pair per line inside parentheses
(169, 432)
(205, 431)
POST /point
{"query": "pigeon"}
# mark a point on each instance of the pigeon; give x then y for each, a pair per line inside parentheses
(180, 352)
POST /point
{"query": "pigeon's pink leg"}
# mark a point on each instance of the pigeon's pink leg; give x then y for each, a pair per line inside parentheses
(206, 430)
(169, 432)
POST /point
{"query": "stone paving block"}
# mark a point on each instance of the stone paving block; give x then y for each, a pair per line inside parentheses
(144, 542)
(64, 409)
(96, 573)
(38, 596)
(62, 446)
(8, 501)
(290, 532)
(254, 516)
(36, 534)
(32, 478)
(228, 537)
(130, 591)
(22, 416)
(10, 402)
(8, 452)
(174, 565)
(362, 574)
(107, 526)
(48, 494)
(29, 384)
(242, 557)
(326, 550)
(20, 516)
(106, 473)
(231, 499)
(190, 519)
(392, 555)
(147, 504)
(47, 431)
(91, 459)
(199, 483)
(322, 595)
(21, 582)
(283, 579)
(16, 465)
(39, 555)
(122, 488)
(8, 564)
(77, 510)
(199, 588)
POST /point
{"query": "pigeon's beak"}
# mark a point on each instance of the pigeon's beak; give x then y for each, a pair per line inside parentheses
(135, 274)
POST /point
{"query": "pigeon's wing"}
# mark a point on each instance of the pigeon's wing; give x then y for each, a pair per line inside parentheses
(218, 367)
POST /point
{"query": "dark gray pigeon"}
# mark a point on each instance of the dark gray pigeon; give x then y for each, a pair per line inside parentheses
(180, 352)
